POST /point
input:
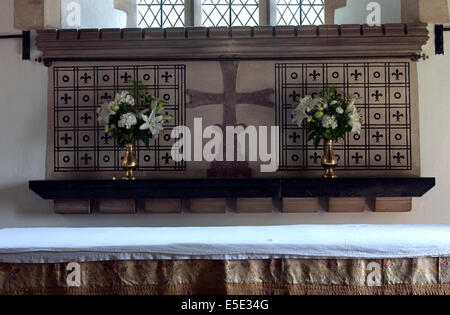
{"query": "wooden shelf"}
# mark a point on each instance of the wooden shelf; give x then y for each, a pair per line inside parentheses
(232, 188)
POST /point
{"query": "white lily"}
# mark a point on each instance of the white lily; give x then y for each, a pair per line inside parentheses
(152, 123)
(351, 106)
(305, 105)
(298, 115)
(355, 121)
(105, 112)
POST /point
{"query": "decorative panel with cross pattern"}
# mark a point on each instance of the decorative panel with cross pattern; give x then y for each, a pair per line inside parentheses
(81, 144)
(384, 102)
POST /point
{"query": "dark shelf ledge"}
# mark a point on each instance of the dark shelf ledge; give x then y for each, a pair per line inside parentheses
(229, 188)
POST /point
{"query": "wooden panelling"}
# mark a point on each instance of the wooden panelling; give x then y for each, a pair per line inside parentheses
(239, 42)
(208, 205)
(393, 204)
(162, 205)
(300, 205)
(346, 204)
(243, 205)
(117, 206)
(254, 205)
(72, 206)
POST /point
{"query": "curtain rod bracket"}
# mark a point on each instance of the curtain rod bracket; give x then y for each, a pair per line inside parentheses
(26, 43)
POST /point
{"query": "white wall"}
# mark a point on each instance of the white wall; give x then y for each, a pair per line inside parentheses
(23, 105)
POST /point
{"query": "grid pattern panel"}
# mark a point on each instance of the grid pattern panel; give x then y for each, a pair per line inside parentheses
(230, 13)
(81, 144)
(384, 103)
(300, 12)
(160, 13)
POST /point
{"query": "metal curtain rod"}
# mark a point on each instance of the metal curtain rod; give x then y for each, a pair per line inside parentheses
(26, 43)
(439, 30)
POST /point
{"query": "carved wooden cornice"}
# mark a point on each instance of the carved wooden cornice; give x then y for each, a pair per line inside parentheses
(327, 41)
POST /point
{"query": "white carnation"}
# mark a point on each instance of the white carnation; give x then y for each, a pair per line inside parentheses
(329, 122)
(126, 98)
(127, 120)
(339, 110)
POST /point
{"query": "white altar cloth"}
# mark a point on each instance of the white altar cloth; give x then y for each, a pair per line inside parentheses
(53, 245)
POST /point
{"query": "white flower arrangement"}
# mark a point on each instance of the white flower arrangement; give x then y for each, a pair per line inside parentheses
(325, 116)
(134, 116)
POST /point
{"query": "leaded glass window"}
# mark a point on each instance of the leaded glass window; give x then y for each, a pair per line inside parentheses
(300, 12)
(160, 13)
(230, 12)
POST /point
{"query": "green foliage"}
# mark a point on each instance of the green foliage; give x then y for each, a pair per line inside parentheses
(332, 106)
(144, 104)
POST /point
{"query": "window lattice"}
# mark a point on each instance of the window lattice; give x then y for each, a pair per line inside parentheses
(160, 13)
(300, 12)
(230, 12)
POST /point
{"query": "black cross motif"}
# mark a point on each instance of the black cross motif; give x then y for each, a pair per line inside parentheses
(294, 96)
(357, 157)
(166, 158)
(125, 77)
(397, 116)
(314, 75)
(166, 76)
(377, 95)
(86, 159)
(380, 149)
(85, 78)
(294, 137)
(66, 98)
(315, 157)
(81, 149)
(398, 157)
(106, 96)
(356, 74)
(377, 136)
(66, 139)
(86, 118)
(106, 138)
(397, 74)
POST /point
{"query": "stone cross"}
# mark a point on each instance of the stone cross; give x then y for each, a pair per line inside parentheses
(230, 98)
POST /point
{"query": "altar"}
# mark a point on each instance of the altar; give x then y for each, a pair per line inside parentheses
(236, 134)
(302, 259)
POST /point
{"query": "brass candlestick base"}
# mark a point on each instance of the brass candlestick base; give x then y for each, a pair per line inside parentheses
(329, 160)
(129, 162)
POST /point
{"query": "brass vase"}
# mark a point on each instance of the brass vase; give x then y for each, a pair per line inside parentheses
(129, 162)
(329, 160)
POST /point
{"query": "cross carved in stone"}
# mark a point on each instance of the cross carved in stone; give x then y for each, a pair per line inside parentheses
(230, 98)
